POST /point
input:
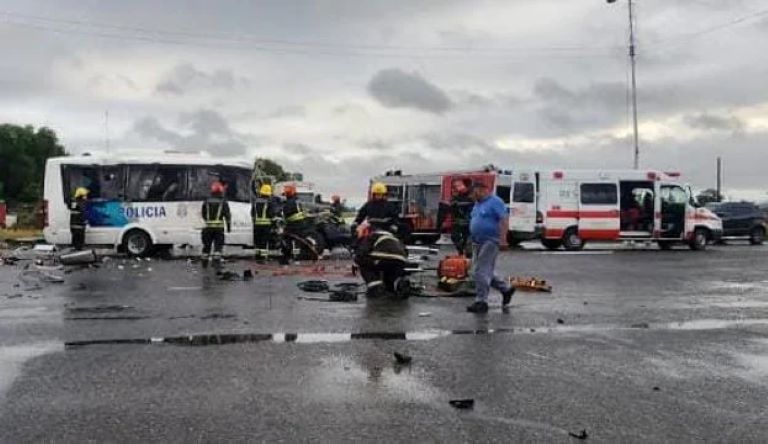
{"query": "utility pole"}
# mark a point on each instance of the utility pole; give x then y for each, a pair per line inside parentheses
(634, 81)
(106, 130)
(719, 194)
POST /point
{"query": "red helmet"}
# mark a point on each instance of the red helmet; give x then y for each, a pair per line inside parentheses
(289, 190)
(217, 188)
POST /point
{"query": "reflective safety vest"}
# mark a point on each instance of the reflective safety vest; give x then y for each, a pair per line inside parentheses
(261, 218)
(215, 222)
(298, 216)
(389, 247)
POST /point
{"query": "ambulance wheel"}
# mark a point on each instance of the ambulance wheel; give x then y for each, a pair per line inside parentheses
(572, 241)
(699, 240)
(137, 243)
(552, 244)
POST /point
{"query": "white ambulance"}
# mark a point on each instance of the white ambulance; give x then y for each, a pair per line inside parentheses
(567, 208)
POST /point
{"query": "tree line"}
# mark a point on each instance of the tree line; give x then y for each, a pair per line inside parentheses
(23, 152)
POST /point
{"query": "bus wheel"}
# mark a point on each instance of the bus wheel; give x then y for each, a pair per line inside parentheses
(137, 243)
(572, 241)
(699, 240)
(757, 236)
(552, 244)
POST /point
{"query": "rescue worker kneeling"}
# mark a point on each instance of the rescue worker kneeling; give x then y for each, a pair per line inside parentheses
(381, 258)
(215, 214)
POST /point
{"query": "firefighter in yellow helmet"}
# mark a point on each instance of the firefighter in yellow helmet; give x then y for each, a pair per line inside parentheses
(78, 218)
(264, 211)
(378, 211)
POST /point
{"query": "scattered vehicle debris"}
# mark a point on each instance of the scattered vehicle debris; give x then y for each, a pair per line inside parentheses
(640, 325)
(314, 286)
(79, 258)
(462, 404)
(560, 321)
(581, 435)
(228, 275)
(531, 284)
(403, 359)
(425, 314)
(247, 275)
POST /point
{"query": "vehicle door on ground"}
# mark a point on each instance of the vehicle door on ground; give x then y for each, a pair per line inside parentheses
(599, 211)
(523, 212)
(674, 211)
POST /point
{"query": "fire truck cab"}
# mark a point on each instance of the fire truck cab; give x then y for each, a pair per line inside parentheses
(567, 208)
(418, 196)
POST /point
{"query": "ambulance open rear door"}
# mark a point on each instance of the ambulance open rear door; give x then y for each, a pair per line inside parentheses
(524, 217)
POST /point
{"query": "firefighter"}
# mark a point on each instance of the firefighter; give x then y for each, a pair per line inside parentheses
(337, 209)
(378, 211)
(460, 209)
(263, 212)
(382, 258)
(293, 212)
(216, 215)
(77, 217)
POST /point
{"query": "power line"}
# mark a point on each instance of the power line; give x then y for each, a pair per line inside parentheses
(21, 19)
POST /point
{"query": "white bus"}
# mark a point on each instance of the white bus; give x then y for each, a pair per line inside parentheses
(138, 203)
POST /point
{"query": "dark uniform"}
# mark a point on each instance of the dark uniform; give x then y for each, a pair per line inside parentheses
(382, 259)
(381, 214)
(295, 217)
(337, 209)
(77, 222)
(216, 214)
(264, 211)
(461, 211)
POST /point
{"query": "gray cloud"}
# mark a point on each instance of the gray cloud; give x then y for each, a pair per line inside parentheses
(186, 78)
(288, 111)
(201, 130)
(394, 88)
(712, 122)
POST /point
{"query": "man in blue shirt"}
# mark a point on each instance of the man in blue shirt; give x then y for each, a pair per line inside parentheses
(487, 224)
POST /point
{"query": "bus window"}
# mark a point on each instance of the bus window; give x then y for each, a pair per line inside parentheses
(237, 181)
(76, 176)
(112, 182)
(200, 179)
(156, 183)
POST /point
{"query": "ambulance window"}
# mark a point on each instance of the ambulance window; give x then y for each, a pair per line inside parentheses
(673, 195)
(503, 192)
(599, 194)
(524, 192)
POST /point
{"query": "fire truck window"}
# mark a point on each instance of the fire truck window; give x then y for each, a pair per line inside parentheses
(599, 194)
(524, 192)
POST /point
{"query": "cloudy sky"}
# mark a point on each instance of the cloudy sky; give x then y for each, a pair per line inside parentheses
(346, 89)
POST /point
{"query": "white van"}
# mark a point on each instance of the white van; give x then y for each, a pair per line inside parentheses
(138, 203)
(571, 207)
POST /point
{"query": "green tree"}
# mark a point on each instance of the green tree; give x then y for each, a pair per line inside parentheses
(23, 152)
(268, 167)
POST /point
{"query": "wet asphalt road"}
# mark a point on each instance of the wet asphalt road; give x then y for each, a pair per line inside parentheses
(631, 346)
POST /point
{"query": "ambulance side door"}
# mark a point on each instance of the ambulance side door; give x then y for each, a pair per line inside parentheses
(599, 210)
(524, 203)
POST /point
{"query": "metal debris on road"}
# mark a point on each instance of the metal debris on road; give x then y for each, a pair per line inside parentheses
(403, 359)
(425, 314)
(581, 435)
(462, 404)
(560, 321)
(531, 284)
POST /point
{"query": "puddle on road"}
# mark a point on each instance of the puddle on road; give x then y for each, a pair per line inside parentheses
(13, 357)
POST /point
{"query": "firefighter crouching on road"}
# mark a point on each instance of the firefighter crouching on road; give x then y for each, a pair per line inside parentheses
(264, 212)
(382, 258)
(215, 214)
(460, 209)
(77, 218)
(378, 211)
